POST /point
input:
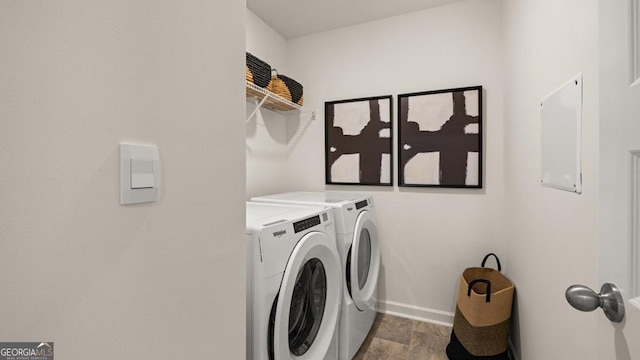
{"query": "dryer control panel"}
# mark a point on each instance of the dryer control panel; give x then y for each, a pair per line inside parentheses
(305, 224)
(361, 204)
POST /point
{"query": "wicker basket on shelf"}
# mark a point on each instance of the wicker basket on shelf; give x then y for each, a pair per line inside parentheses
(286, 88)
(257, 71)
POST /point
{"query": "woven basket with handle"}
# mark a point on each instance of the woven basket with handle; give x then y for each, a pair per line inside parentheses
(286, 88)
(481, 322)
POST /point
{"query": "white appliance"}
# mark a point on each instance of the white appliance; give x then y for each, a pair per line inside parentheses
(293, 283)
(357, 239)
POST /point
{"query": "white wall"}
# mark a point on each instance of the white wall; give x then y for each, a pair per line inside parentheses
(267, 143)
(265, 43)
(428, 235)
(551, 234)
(101, 280)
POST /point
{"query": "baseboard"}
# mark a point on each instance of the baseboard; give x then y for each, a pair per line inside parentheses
(416, 313)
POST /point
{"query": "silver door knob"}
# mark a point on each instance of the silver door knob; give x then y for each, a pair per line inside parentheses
(609, 299)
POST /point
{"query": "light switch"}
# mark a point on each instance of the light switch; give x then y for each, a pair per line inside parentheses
(139, 173)
(142, 174)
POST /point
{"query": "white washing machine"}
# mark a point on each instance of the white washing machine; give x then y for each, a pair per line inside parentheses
(357, 239)
(293, 283)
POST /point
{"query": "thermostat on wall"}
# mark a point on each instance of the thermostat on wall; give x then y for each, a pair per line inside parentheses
(139, 173)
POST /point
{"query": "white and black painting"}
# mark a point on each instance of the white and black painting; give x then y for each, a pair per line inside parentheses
(358, 141)
(440, 138)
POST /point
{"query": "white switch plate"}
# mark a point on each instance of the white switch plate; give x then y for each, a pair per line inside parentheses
(139, 173)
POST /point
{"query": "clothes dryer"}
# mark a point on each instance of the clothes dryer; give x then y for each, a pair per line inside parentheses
(358, 245)
(293, 283)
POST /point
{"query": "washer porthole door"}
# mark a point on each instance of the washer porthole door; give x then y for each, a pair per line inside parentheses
(309, 301)
(365, 262)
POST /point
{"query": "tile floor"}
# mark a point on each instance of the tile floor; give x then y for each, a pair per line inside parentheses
(396, 338)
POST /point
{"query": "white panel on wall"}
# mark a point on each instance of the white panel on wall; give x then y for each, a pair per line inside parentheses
(561, 117)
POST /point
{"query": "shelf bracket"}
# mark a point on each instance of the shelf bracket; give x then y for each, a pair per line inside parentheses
(255, 111)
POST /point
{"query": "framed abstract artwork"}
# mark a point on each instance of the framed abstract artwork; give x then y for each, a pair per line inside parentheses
(358, 146)
(440, 138)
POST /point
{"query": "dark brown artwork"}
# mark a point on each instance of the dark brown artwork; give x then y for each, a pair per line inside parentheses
(358, 141)
(440, 138)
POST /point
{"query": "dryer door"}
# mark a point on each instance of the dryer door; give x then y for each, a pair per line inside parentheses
(364, 262)
(309, 301)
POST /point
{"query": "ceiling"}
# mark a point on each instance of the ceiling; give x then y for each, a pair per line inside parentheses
(294, 18)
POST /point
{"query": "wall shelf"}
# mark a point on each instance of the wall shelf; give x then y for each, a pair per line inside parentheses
(273, 102)
(300, 117)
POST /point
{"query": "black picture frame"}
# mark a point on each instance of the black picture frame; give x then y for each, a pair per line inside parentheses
(440, 138)
(358, 141)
